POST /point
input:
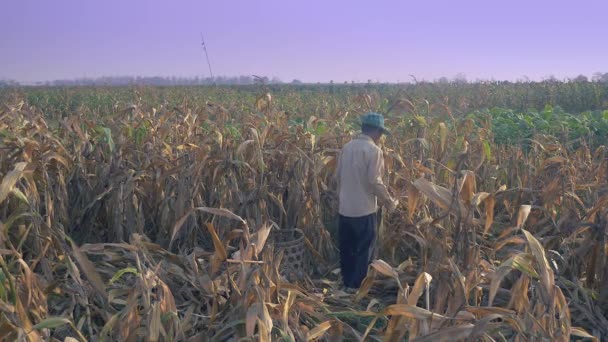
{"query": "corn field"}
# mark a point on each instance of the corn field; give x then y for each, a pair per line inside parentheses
(146, 218)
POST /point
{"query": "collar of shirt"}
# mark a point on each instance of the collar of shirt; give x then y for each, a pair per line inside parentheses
(366, 137)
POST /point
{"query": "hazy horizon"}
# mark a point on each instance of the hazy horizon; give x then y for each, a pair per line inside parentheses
(233, 80)
(316, 41)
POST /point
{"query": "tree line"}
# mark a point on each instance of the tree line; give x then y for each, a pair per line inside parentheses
(243, 80)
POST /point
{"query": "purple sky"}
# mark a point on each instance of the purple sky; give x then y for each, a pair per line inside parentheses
(312, 40)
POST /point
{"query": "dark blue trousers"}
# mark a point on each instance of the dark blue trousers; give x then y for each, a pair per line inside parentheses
(357, 237)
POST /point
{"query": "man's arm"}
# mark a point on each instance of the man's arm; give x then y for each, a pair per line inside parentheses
(374, 172)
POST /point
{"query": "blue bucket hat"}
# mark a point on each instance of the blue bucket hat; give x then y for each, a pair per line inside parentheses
(375, 120)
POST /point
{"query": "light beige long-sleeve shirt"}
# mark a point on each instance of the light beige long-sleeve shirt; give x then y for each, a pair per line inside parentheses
(359, 177)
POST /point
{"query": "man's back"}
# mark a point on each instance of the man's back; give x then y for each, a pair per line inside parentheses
(359, 167)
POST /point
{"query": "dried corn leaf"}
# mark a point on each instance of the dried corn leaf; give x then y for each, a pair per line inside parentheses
(384, 268)
(413, 198)
(438, 194)
(489, 203)
(546, 274)
(9, 181)
(318, 331)
(422, 282)
(467, 186)
(522, 215)
(411, 311)
(88, 268)
(219, 254)
(575, 331)
(261, 237)
(455, 333)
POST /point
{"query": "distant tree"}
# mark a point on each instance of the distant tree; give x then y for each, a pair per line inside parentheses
(296, 81)
(155, 81)
(245, 80)
(580, 78)
(551, 79)
(443, 80)
(600, 77)
(523, 79)
(460, 78)
(260, 79)
(8, 83)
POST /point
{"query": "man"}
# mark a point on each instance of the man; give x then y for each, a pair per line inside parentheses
(360, 187)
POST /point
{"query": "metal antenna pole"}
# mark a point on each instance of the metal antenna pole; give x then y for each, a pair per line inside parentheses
(206, 55)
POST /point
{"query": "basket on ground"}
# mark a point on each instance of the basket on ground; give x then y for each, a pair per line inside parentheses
(295, 260)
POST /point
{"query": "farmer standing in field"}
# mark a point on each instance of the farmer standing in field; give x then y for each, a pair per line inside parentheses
(360, 186)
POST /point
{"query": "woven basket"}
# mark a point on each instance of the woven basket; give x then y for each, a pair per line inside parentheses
(295, 257)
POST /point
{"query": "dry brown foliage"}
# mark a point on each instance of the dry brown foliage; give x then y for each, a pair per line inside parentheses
(153, 224)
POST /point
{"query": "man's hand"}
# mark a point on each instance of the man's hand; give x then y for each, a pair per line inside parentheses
(392, 206)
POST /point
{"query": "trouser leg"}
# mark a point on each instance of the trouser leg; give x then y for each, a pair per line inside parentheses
(357, 243)
(364, 247)
(345, 237)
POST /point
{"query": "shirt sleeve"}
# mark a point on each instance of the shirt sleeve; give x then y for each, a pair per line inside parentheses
(375, 170)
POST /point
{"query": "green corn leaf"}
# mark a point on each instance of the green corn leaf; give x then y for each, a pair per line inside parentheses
(122, 272)
(108, 138)
(51, 323)
(487, 149)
